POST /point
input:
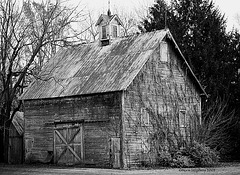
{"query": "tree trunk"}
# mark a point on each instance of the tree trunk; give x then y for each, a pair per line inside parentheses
(6, 141)
(6, 115)
(1, 140)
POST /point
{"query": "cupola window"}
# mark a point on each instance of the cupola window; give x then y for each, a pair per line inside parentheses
(104, 32)
(114, 30)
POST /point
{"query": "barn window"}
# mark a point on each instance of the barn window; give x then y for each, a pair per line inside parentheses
(114, 31)
(144, 145)
(182, 119)
(144, 117)
(195, 107)
(164, 52)
(183, 122)
(104, 32)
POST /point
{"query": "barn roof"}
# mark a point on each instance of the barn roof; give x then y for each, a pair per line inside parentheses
(18, 122)
(89, 68)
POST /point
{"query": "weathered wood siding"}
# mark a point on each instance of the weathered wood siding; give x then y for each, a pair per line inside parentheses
(15, 146)
(163, 87)
(99, 107)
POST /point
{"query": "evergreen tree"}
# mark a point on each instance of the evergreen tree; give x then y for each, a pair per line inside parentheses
(200, 31)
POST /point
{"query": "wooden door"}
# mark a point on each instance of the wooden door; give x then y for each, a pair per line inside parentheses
(15, 149)
(115, 152)
(68, 144)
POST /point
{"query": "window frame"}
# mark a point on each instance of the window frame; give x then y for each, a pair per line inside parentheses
(183, 126)
(104, 32)
(114, 31)
(144, 117)
(164, 52)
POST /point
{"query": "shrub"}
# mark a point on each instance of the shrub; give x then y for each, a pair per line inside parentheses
(164, 158)
(203, 156)
(182, 161)
(194, 155)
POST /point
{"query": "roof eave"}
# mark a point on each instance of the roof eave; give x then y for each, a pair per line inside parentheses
(99, 20)
(169, 35)
(118, 19)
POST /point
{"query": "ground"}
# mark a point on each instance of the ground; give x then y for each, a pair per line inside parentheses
(223, 169)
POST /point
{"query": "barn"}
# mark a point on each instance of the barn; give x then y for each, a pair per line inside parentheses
(99, 104)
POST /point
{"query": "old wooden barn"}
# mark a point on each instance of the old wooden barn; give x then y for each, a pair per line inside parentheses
(95, 103)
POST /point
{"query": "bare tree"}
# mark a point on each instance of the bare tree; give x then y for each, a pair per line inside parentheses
(29, 32)
(129, 20)
(91, 32)
(217, 121)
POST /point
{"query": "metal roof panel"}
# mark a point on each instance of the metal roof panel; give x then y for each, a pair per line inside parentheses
(89, 68)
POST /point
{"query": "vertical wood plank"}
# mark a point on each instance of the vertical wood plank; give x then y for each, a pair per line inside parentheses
(82, 141)
(122, 132)
(54, 147)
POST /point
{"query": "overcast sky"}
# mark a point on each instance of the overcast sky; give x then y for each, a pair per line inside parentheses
(229, 7)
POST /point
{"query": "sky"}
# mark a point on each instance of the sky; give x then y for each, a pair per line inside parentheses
(228, 7)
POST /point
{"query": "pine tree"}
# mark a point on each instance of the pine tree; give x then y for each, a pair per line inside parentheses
(200, 31)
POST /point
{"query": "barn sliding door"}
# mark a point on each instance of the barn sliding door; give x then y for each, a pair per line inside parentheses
(68, 144)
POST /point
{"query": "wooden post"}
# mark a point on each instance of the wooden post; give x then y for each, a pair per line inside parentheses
(54, 149)
(122, 134)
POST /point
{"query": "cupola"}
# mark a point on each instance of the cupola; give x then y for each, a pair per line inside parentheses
(108, 27)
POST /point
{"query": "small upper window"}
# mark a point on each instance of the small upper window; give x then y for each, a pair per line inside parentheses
(104, 32)
(163, 52)
(114, 31)
(144, 117)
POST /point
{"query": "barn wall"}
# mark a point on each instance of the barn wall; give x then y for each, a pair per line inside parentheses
(162, 90)
(39, 134)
